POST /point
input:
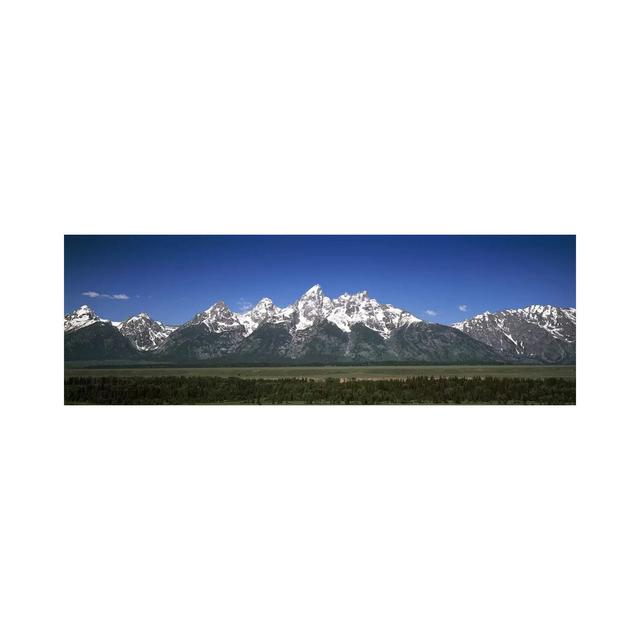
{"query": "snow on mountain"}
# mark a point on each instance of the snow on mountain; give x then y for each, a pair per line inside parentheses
(348, 310)
(143, 332)
(218, 318)
(540, 333)
(81, 317)
(314, 305)
(310, 308)
(264, 310)
(560, 322)
(529, 332)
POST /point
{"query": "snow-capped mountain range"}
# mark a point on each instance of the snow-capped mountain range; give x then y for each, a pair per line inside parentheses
(313, 306)
(352, 325)
(142, 331)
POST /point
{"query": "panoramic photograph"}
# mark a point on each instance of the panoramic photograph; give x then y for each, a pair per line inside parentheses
(320, 320)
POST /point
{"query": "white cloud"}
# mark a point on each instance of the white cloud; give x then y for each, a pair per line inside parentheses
(463, 307)
(114, 296)
(431, 312)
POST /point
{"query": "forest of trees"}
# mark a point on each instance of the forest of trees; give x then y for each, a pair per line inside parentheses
(229, 390)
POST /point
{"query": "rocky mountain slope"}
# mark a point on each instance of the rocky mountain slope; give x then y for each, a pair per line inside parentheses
(144, 333)
(98, 341)
(541, 333)
(90, 337)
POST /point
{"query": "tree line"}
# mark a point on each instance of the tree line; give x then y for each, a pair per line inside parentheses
(232, 390)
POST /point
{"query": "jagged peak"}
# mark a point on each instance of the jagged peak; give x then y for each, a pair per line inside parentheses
(264, 302)
(264, 305)
(81, 317)
(82, 310)
(316, 290)
(217, 306)
(217, 318)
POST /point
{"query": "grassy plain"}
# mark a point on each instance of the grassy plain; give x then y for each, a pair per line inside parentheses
(349, 372)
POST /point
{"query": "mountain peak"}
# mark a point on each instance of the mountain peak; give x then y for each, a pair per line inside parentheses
(217, 307)
(251, 319)
(316, 290)
(144, 333)
(142, 315)
(80, 317)
(358, 308)
(264, 302)
(310, 308)
(217, 318)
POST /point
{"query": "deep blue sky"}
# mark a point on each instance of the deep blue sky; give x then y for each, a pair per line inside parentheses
(174, 277)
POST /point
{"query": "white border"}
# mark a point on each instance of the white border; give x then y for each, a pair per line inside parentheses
(305, 522)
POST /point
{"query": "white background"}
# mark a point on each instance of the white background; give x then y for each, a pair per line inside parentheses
(299, 522)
